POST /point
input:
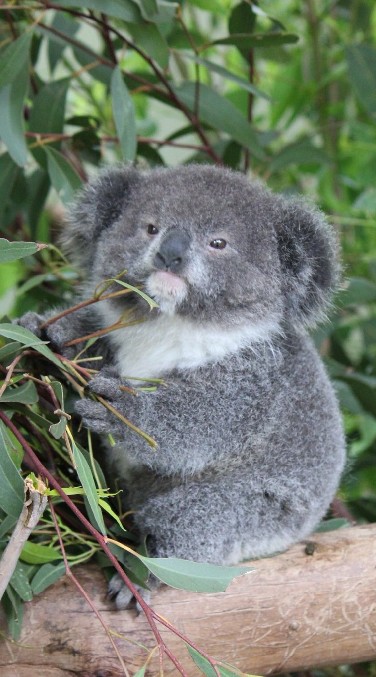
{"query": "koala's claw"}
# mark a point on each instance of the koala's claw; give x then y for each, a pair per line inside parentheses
(123, 597)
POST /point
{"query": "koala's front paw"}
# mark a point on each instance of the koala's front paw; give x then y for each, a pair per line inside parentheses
(31, 321)
(123, 597)
(97, 417)
(107, 383)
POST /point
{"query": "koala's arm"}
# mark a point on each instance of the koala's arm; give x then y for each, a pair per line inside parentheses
(60, 332)
(176, 415)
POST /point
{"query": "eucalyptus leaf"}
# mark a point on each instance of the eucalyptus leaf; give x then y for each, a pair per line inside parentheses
(11, 482)
(46, 575)
(121, 9)
(64, 177)
(124, 115)
(11, 251)
(36, 553)
(149, 38)
(27, 338)
(86, 478)
(20, 583)
(194, 576)
(12, 100)
(252, 40)
(361, 62)
(228, 75)
(216, 111)
(14, 59)
(23, 394)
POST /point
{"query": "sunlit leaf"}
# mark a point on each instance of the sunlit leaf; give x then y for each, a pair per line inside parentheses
(36, 553)
(20, 583)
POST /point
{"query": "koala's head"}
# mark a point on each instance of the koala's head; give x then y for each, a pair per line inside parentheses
(206, 243)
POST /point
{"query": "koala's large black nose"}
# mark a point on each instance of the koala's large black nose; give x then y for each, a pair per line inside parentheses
(172, 252)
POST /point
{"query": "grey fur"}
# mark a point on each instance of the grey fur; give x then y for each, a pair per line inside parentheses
(250, 441)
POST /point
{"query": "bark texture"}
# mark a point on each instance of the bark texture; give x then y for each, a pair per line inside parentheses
(314, 605)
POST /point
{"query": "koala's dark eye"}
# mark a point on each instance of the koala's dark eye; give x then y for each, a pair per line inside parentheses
(218, 243)
(151, 229)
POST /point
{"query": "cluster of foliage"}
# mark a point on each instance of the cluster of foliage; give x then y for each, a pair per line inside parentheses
(291, 99)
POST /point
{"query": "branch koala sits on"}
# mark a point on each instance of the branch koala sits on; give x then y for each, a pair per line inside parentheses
(250, 441)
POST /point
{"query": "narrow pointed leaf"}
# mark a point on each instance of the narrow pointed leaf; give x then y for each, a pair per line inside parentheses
(35, 553)
(23, 394)
(63, 177)
(86, 478)
(12, 128)
(10, 251)
(14, 59)
(11, 483)
(252, 40)
(195, 576)
(27, 338)
(46, 576)
(216, 111)
(124, 116)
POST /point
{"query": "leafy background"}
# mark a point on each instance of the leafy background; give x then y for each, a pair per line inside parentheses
(289, 98)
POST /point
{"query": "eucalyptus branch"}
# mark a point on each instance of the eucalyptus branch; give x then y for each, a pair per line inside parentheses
(33, 508)
(75, 581)
(152, 616)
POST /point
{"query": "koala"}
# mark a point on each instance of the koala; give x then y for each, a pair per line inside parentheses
(250, 444)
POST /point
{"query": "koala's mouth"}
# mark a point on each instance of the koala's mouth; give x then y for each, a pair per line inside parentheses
(164, 286)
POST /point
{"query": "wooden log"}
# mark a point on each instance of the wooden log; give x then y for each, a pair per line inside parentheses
(295, 611)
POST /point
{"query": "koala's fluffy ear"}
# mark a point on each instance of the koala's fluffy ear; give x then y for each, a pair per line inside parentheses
(97, 206)
(308, 252)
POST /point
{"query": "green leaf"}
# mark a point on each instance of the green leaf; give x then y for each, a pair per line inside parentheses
(86, 478)
(141, 671)
(359, 291)
(47, 114)
(14, 607)
(195, 576)
(10, 251)
(57, 430)
(299, 153)
(28, 339)
(35, 553)
(20, 583)
(252, 40)
(201, 662)
(8, 175)
(64, 177)
(216, 111)
(12, 98)
(11, 483)
(124, 115)
(228, 75)
(148, 299)
(7, 525)
(148, 37)
(332, 525)
(361, 63)
(23, 394)
(14, 60)
(46, 576)
(121, 9)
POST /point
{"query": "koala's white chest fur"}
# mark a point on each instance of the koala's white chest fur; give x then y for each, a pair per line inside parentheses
(159, 345)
